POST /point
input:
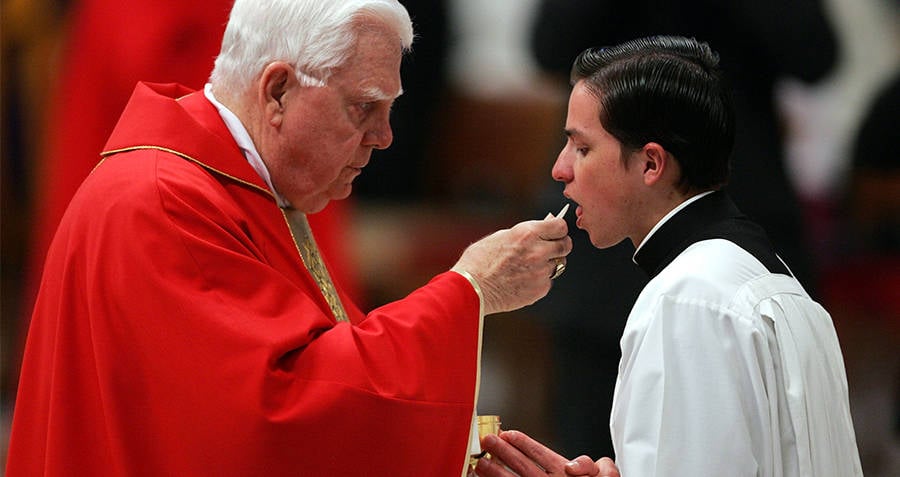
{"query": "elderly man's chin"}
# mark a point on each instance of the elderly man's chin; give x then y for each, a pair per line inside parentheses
(338, 192)
(343, 191)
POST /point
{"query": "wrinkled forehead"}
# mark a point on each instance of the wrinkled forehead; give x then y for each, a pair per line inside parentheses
(372, 68)
(375, 40)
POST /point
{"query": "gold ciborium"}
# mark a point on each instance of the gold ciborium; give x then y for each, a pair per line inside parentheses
(489, 424)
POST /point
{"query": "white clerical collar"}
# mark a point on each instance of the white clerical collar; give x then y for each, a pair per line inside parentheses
(666, 218)
(242, 137)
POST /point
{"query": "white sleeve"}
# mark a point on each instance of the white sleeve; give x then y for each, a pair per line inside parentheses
(691, 398)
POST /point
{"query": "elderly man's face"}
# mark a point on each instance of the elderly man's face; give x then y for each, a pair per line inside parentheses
(328, 133)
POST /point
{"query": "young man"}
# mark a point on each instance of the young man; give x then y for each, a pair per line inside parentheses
(185, 323)
(728, 366)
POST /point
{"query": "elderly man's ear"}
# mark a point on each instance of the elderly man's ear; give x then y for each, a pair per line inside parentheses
(276, 79)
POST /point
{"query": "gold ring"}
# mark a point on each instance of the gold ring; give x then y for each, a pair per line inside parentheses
(560, 268)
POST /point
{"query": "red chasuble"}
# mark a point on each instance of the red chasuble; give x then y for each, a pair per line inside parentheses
(178, 333)
(109, 46)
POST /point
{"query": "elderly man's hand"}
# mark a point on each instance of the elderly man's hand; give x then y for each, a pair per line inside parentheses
(514, 451)
(513, 266)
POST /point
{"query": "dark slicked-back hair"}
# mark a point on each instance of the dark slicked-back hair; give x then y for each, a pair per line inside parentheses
(668, 90)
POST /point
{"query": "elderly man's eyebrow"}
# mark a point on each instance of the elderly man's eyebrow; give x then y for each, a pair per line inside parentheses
(375, 93)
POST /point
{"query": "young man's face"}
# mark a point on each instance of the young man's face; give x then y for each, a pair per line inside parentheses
(596, 177)
(329, 132)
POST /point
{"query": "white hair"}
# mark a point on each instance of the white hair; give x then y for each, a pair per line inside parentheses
(313, 35)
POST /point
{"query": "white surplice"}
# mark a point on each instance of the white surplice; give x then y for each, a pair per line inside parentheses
(729, 369)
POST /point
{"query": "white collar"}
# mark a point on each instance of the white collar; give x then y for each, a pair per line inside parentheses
(667, 217)
(242, 137)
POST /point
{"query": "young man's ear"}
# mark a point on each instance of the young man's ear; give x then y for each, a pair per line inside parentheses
(656, 162)
(274, 82)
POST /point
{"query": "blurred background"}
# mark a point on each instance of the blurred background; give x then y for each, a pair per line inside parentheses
(476, 133)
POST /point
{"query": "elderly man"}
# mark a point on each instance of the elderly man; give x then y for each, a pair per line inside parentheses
(186, 323)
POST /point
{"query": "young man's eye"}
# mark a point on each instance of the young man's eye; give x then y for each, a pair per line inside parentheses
(578, 148)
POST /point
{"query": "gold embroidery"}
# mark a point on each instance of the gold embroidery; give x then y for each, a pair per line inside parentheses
(182, 155)
(300, 232)
(309, 252)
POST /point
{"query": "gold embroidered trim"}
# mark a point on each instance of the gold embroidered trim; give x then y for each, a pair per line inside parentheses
(105, 154)
(312, 259)
(300, 233)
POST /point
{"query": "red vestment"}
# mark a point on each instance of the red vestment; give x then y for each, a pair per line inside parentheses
(177, 331)
(109, 46)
